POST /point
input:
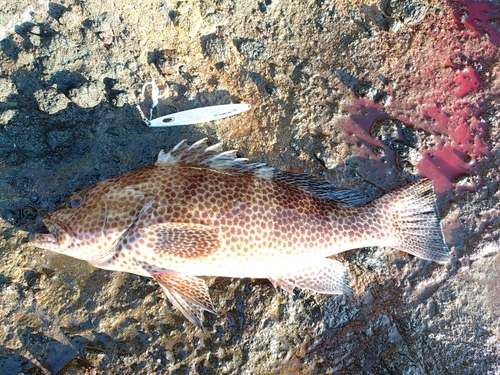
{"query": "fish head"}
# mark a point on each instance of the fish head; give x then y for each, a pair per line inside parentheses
(76, 226)
(89, 224)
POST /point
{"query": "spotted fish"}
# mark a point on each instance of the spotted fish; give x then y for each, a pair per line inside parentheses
(199, 211)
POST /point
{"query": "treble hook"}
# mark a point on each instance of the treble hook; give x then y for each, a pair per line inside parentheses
(155, 96)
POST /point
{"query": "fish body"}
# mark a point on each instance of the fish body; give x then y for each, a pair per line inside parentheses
(199, 211)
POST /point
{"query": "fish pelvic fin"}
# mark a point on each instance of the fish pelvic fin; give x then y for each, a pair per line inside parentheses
(188, 294)
(416, 226)
(324, 275)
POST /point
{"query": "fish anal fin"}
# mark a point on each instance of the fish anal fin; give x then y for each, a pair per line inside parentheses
(183, 240)
(283, 284)
(188, 294)
(322, 276)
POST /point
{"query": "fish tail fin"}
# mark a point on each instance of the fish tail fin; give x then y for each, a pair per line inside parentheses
(416, 226)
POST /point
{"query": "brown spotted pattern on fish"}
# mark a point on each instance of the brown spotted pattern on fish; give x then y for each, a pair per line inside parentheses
(199, 211)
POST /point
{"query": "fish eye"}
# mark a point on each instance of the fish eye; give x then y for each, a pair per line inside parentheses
(75, 201)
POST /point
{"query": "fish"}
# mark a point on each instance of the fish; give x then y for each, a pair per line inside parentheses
(201, 211)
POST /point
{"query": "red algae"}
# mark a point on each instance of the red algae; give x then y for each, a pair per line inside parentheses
(467, 81)
(375, 159)
(443, 164)
(443, 95)
(446, 96)
(363, 113)
(480, 17)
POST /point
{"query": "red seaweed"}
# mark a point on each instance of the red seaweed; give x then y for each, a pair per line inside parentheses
(480, 17)
(443, 96)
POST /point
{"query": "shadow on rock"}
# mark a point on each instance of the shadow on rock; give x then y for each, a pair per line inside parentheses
(46, 158)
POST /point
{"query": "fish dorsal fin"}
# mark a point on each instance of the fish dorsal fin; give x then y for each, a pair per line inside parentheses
(200, 154)
(321, 188)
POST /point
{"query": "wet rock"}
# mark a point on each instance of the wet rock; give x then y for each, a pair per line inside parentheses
(365, 90)
(117, 93)
(402, 140)
(51, 100)
(101, 23)
(88, 95)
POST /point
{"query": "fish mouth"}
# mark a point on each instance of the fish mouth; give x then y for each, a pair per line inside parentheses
(56, 240)
(43, 240)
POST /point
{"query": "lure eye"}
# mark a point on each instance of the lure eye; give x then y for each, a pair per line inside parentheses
(75, 202)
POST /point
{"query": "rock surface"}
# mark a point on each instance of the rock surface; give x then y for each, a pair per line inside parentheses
(368, 95)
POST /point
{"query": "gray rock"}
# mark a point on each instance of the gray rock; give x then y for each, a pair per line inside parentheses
(168, 62)
(216, 49)
(211, 15)
(51, 100)
(187, 17)
(253, 49)
(407, 11)
(120, 99)
(88, 95)
(72, 17)
(7, 89)
(402, 140)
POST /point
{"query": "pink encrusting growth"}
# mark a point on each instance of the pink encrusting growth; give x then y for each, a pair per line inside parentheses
(357, 129)
(444, 164)
(466, 81)
(442, 95)
(460, 146)
(480, 17)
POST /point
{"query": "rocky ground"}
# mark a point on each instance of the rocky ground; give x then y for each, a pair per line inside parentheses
(368, 95)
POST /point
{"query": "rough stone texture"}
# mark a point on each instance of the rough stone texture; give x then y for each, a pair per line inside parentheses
(365, 94)
(51, 100)
(89, 95)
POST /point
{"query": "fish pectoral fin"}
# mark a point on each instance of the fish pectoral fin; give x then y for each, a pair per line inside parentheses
(184, 240)
(323, 276)
(188, 294)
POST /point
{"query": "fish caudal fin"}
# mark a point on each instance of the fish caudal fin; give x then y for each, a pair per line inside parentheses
(323, 276)
(416, 226)
(188, 294)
